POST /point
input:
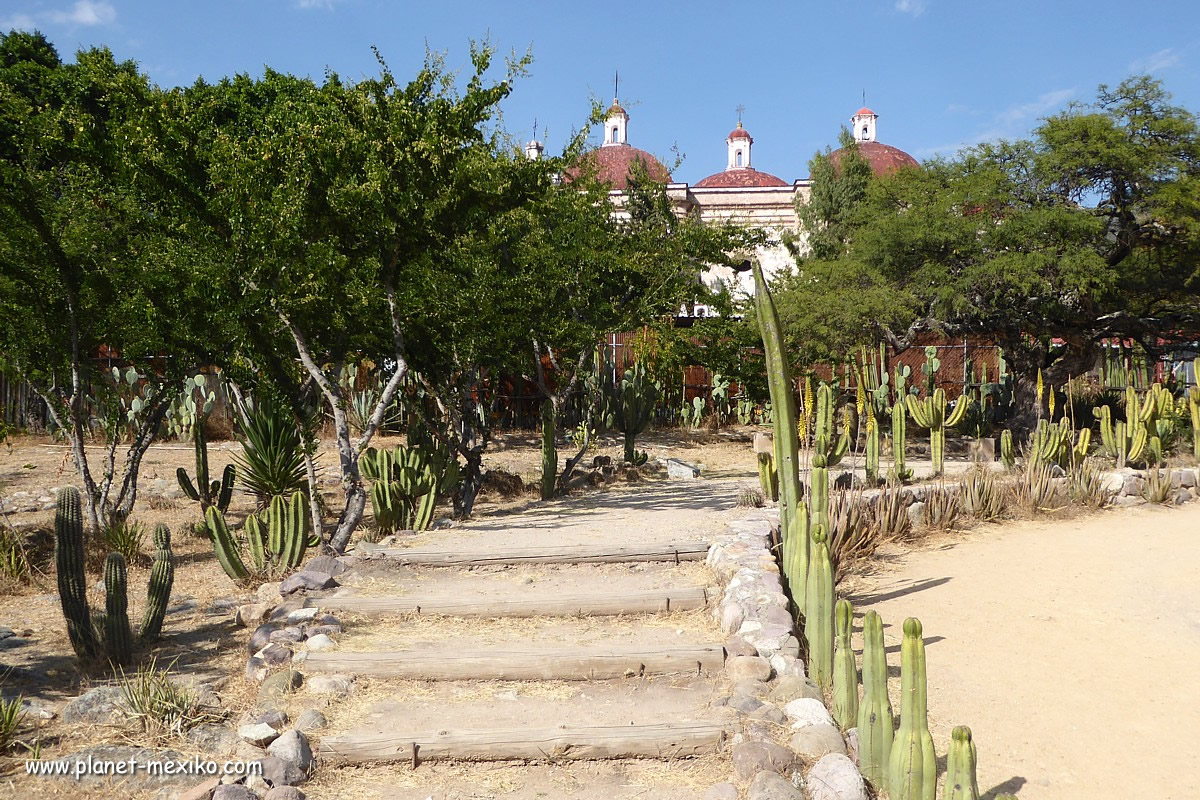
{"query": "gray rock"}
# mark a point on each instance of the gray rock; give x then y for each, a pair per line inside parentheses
(261, 637)
(278, 772)
(916, 513)
(334, 684)
(276, 719)
(752, 688)
(260, 734)
(201, 791)
(312, 631)
(251, 614)
(792, 687)
(737, 646)
(327, 564)
(743, 703)
(751, 758)
(815, 741)
(768, 785)
(102, 704)
(306, 581)
(806, 711)
(234, 791)
(681, 470)
(257, 783)
(1182, 496)
(836, 778)
(769, 713)
(275, 654)
(311, 720)
(284, 793)
(292, 746)
(256, 669)
(852, 744)
(732, 616)
(722, 791)
(1133, 485)
(748, 668)
(281, 683)
(1129, 500)
(301, 615)
(790, 647)
(319, 643)
(289, 635)
(6, 633)
(1185, 478)
(213, 739)
(268, 592)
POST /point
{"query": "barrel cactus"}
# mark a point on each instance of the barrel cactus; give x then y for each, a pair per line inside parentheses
(912, 769)
(875, 730)
(845, 671)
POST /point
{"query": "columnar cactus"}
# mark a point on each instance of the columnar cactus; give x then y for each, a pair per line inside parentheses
(912, 769)
(931, 413)
(636, 397)
(72, 583)
(1193, 401)
(158, 591)
(549, 450)
(768, 475)
(845, 672)
(818, 616)
(899, 439)
(1124, 441)
(406, 483)
(224, 545)
(961, 783)
(281, 546)
(875, 711)
(1008, 453)
(214, 493)
(787, 446)
(824, 445)
(872, 445)
(118, 638)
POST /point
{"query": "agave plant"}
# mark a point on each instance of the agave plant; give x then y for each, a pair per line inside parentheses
(272, 460)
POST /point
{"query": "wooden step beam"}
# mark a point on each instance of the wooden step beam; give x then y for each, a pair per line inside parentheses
(529, 604)
(525, 663)
(540, 554)
(666, 740)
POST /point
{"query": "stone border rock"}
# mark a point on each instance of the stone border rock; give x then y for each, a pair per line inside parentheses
(769, 687)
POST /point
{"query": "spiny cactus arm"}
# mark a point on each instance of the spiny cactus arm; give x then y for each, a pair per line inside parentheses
(276, 520)
(845, 671)
(253, 529)
(961, 783)
(224, 545)
(118, 638)
(368, 463)
(913, 767)
(920, 410)
(228, 476)
(158, 590)
(875, 731)
(297, 529)
(186, 485)
(960, 409)
(72, 582)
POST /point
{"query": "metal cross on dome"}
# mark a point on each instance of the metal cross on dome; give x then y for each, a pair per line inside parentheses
(741, 109)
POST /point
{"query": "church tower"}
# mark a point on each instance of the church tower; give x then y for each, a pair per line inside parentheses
(863, 125)
(616, 126)
(738, 143)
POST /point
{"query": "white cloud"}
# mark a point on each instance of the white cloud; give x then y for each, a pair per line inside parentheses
(1013, 115)
(914, 7)
(1156, 62)
(17, 22)
(86, 12)
(326, 4)
(1009, 123)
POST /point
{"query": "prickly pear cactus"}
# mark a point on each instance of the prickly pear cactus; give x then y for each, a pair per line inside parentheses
(845, 672)
(912, 769)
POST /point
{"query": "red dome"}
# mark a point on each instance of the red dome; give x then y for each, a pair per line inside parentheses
(613, 162)
(865, 112)
(883, 158)
(739, 133)
(741, 177)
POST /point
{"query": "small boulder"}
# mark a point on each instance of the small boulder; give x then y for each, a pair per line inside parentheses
(302, 615)
(722, 791)
(257, 669)
(768, 785)
(233, 791)
(318, 630)
(836, 778)
(737, 646)
(278, 772)
(328, 564)
(319, 643)
(331, 684)
(816, 741)
(750, 758)
(806, 711)
(681, 470)
(268, 592)
(791, 687)
(213, 739)
(102, 704)
(275, 654)
(261, 636)
(201, 791)
(251, 614)
(260, 734)
(769, 713)
(292, 746)
(916, 513)
(752, 668)
(306, 581)
(281, 683)
(273, 717)
(311, 720)
(752, 688)
(284, 793)
(743, 703)
(289, 635)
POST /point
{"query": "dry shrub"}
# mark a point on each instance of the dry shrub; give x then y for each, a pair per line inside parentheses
(1034, 491)
(503, 483)
(941, 508)
(161, 503)
(1156, 487)
(1087, 486)
(158, 704)
(889, 514)
(980, 494)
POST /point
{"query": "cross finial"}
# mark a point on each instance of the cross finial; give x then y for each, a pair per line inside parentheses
(864, 98)
(616, 85)
(741, 109)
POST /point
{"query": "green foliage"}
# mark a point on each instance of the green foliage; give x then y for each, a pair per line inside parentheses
(1157, 488)
(750, 498)
(125, 537)
(1087, 486)
(406, 484)
(768, 476)
(827, 451)
(1008, 455)
(225, 546)
(271, 463)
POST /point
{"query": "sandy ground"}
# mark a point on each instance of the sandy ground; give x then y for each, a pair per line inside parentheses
(1069, 648)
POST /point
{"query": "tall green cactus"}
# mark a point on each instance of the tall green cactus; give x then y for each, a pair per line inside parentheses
(818, 617)
(961, 783)
(825, 446)
(912, 770)
(549, 449)
(278, 536)
(872, 446)
(930, 368)
(931, 413)
(768, 475)
(1008, 453)
(406, 483)
(1125, 441)
(224, 545)
(787, 446)
(72, 582)
(158, 591)
(637, 395)
(845, 672)
(214, 493)
(1193, 402)
(899, 438)
(875, 730)
(118, 638)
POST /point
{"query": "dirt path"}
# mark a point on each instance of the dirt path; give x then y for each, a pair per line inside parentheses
(1069, 648)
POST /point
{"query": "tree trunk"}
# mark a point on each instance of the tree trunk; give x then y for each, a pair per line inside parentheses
(549, 448)
(472, 482)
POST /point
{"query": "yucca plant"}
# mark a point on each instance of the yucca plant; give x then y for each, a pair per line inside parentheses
(1034, 491)
(272, 459)
(125, 537)
(980, 494)
(11, 714)
(159, 704)
(1087, 486)
(889, 515)
(1156, 487)
(941, 508)
(853, 533)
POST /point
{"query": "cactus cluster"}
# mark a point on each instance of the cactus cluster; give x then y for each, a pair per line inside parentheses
(637, 395)
(407, 481)
(931, 413)
(875, 731)
(1057, 443)
(207, 493)
(1008, 453)
(845, 672)
(276, 538)
(912, 767)
(1123, 441)
(110, 634)
(827, 451)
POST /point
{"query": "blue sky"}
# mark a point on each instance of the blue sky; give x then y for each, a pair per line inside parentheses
(941, 73)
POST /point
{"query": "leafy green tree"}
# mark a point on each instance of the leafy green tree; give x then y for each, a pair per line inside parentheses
(92, 266)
